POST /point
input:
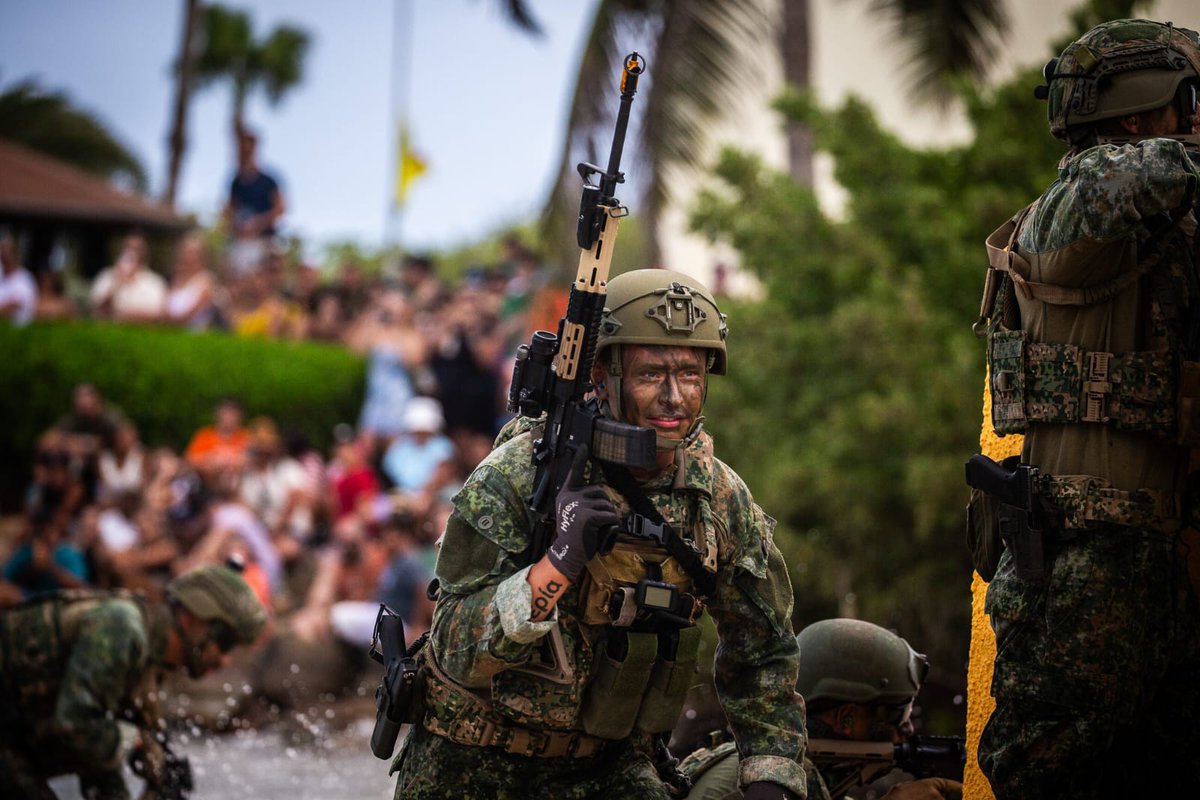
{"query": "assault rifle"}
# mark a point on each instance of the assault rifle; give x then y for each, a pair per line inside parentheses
(552, 374)
(846, 764)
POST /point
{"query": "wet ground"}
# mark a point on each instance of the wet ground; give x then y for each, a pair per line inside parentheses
(299, 760)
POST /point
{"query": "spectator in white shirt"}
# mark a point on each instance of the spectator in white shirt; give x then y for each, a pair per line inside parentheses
(18, 289)
(129, 291)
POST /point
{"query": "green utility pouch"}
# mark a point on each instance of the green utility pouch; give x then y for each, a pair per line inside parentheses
(614, 694)
(983, 533)
(1006, 364)
(669, 683)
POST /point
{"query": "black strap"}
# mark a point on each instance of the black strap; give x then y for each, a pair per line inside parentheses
(648, 523)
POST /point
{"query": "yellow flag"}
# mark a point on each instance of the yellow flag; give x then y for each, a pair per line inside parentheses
(409, 166)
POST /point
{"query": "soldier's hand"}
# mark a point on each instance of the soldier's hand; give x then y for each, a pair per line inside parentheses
(582, 515)
(148, 760)
(925, 789)
(765, 790)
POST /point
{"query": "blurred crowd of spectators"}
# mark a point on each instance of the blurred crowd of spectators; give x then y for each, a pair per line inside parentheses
(324, 536)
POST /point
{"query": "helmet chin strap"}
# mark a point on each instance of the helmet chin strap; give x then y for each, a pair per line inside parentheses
(665, 443)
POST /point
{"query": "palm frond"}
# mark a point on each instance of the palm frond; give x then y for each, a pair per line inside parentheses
(700, 58)
(518, 13)
(279, 60)
(49, 123)
(946, 40)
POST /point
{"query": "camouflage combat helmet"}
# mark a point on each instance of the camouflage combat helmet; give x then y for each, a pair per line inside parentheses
(1117, 68)
(852, 661)
(220, 593)
(661, 307)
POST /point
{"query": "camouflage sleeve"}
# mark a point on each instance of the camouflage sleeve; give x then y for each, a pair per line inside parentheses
(757, 659)
(481, 623)
(1110, 192)
(108, 656)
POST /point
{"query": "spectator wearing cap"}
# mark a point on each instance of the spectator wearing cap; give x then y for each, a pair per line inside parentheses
(420, 462)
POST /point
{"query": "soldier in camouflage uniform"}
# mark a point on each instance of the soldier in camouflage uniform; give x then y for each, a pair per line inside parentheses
(534, 689)
(79, 677)
(1093, 318)
(859, 682)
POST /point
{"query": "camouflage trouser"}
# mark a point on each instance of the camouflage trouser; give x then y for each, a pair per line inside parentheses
(1097, 673)
(430, 767)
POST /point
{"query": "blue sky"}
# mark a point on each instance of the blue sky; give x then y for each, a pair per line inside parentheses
(487, 105)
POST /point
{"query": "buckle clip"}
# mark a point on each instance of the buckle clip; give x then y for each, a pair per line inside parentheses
(643, 527)
(1096, 387)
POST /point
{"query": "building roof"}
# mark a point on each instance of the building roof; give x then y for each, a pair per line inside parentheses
(33, 184)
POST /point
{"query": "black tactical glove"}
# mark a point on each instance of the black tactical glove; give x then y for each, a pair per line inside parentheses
(585, 519)
(765, 790)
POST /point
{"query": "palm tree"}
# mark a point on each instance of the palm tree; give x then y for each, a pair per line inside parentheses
(49, 123)
(229, 52)
(184, 72)
(702, 55)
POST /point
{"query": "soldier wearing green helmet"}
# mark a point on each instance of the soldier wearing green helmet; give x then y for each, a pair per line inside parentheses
(79, 676)
(555, 678)
(1091, 310)
(859, 682)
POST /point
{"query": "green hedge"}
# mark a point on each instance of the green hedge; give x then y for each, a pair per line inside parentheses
(167, 381)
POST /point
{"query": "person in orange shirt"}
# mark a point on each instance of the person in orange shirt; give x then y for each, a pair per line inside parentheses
(221, 446)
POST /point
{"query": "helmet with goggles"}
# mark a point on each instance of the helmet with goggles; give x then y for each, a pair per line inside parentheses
(1122, 67)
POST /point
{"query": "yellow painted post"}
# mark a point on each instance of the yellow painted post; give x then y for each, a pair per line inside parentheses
(980, 704)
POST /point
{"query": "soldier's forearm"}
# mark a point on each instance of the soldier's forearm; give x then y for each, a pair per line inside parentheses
(547, 586)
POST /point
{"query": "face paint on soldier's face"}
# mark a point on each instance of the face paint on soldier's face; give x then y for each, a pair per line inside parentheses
(663, 388)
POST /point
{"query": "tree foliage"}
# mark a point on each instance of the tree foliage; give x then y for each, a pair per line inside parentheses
(50, 123)
(855, 385)
(230, 52)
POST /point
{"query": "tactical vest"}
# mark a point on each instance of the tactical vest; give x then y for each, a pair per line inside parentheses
(1153, 391)
(36, 640)
(635, 614)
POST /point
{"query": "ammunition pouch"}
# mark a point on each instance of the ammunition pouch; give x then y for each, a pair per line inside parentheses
(1085, 500)
(1062, 383)
(640, 681)
(464, 717)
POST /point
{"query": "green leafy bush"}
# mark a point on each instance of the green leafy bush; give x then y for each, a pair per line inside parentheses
(167, 381)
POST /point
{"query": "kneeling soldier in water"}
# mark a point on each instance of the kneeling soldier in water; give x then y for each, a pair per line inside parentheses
(79, 677)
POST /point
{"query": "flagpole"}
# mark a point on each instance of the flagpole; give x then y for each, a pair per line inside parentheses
(403, 13)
